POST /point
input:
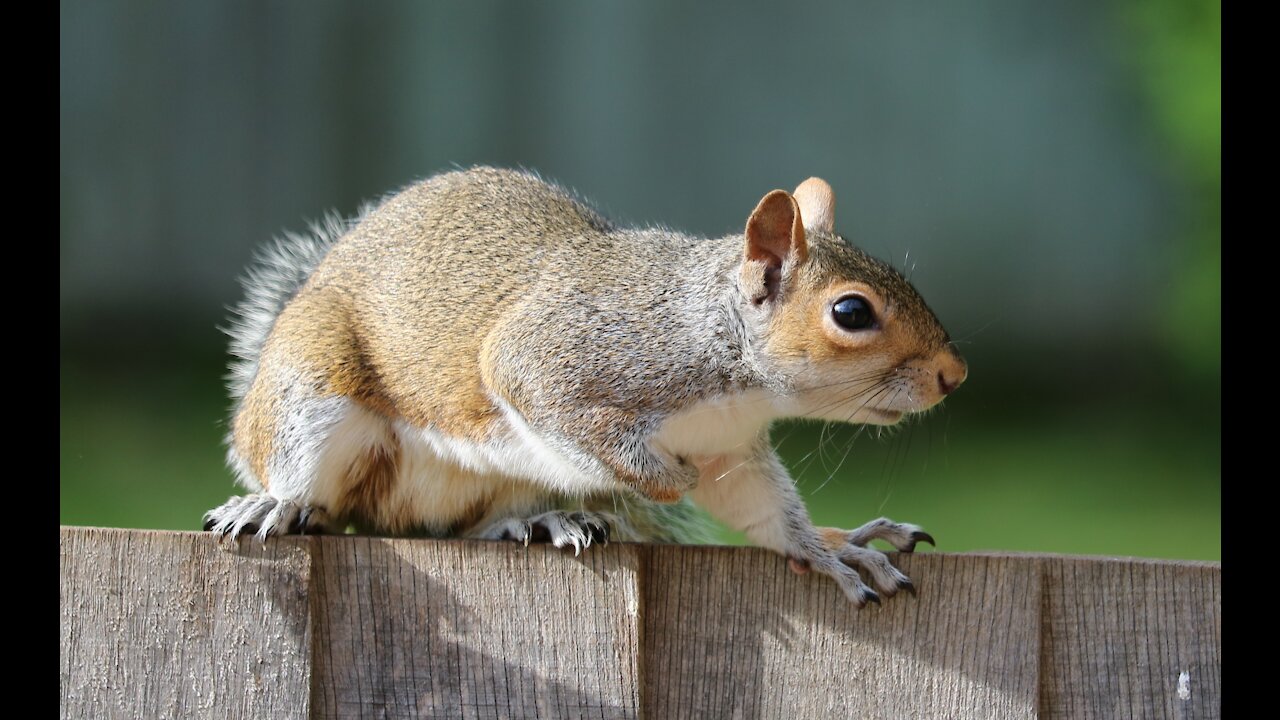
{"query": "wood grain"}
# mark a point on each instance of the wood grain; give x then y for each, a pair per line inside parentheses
(1119, 633)
(164, 624)
(172, 625)
(730, 632)
(408, 628)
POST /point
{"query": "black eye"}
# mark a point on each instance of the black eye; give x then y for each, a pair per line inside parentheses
(853, 313)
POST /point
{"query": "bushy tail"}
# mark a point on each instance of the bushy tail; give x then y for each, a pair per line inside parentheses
(642, 520)
(278, 271)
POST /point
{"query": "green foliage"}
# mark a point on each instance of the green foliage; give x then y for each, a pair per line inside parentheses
(140, 446)
(1176, 49)
(145, 451)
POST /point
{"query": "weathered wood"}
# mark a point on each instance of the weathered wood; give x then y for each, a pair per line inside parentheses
(1120, 633)
(409, 628)
(162, 624)
(730, 632)
(166, 625)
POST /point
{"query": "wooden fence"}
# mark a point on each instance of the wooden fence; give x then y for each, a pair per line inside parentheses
(174, 625)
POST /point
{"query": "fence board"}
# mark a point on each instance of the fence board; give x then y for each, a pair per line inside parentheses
(167, 624)
(1120, 633)
(478, 630)
(159, 624)
(730, 632)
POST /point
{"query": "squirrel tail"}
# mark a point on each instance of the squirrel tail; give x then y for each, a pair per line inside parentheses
(643, 520)
(278, 271)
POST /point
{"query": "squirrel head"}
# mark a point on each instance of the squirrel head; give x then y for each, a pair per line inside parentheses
(847, 335)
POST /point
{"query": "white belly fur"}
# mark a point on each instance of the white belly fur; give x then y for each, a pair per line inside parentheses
(725, 425)
(441, 479)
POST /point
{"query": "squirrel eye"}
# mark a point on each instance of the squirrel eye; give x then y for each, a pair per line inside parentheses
(853, 313)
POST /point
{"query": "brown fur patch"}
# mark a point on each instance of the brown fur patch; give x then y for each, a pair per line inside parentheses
(660, 494)
(359, 381)
(833, 538)
(370, 479)
(802, 329)
(471, 516)
(428, 390)
(316, 328)
(253, 429)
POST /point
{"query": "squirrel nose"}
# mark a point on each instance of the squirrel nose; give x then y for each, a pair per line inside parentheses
(953, 372)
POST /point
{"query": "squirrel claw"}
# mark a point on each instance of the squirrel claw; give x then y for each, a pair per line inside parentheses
(908, 586)
(921, 536)
(597, 529)
(262, 515)
(562, 529)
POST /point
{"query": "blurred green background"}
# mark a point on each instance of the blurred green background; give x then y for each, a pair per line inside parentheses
(1048, 172)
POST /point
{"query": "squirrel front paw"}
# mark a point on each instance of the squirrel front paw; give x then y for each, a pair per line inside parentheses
(902, 536)
(850, 551)
(558, 527)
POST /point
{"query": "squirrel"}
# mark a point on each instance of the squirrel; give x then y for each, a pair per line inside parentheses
(484, 355)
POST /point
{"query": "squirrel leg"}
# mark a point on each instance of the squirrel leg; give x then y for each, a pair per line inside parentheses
(623, 448)
(626, 448)
(655, 477)
(312, 456)
(756, 495)
(607, 441)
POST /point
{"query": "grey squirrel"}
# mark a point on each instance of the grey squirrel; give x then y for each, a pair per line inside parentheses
(483, 355)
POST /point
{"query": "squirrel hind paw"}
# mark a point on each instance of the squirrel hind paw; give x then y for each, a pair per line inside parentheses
(560, 528)
(262, 516)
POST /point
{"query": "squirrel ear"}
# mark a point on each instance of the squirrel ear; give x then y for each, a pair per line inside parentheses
(775, 237)
(817, 204)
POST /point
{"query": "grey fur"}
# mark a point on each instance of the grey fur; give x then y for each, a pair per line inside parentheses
(902, 536)
(488, 293)
(277, 272)
(306, 422)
